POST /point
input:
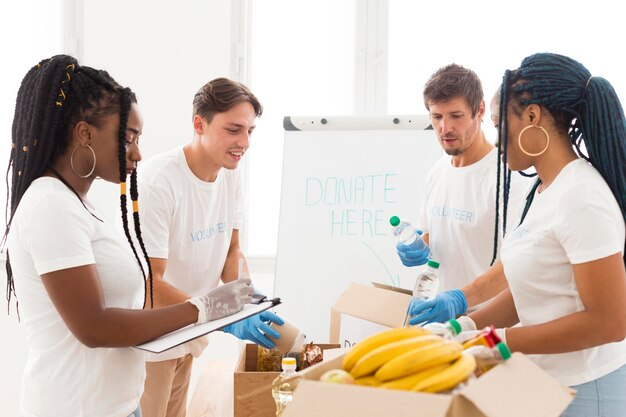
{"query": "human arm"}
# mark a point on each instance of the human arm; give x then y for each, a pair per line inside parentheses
(78, 297)
(452, 303)
(486, 286)
(230, 271)
(602, 287)
(256, 327)
(499, 312)
(163, 293)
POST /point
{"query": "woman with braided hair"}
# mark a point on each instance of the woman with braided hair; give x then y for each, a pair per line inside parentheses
(565, 260)
(80, 290)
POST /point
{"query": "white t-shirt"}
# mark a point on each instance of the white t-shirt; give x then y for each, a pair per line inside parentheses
(189, 222)
(458, 213)
(573, 221)
(51, 231)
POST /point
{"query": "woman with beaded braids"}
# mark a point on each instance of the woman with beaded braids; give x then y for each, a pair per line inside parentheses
(564, 262)
(80, 290)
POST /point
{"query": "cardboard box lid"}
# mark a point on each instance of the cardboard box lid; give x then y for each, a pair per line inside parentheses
(369, 303)
(498, 392)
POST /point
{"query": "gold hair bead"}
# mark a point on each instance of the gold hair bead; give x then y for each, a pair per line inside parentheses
(123, 188)
(136, 206)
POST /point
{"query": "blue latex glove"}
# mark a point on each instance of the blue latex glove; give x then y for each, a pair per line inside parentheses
(411, 256)
(255, 328)
(443, 307)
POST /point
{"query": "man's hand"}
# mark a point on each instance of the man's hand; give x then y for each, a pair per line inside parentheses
(413, 257)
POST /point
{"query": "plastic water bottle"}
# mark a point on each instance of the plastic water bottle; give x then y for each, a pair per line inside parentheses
(448, 330)
(427, 282)
(285, 384)
(406, 233)
(488, 357)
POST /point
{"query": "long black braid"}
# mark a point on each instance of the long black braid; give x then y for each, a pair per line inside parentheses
(134, 196)
(54, 95)
(585, 107)
(125, 103)
(503, 179)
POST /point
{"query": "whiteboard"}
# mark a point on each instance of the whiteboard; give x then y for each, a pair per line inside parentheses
(340, 186)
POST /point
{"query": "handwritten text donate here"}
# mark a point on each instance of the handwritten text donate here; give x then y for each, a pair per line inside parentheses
(354, 202)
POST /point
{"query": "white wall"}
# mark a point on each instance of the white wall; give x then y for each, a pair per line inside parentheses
(165, 53)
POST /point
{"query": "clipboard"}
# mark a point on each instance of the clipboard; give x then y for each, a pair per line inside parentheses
(180, 336)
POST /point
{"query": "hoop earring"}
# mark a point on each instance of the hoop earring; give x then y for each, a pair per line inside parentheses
(519, 141)
(93, 168)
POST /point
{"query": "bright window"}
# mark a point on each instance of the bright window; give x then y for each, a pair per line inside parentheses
(492, 36)
(302, 64)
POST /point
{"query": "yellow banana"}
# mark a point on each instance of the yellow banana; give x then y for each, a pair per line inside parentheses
(374, 359)
(419, 359)
(408, 382)
(369, 381)
(377, 340)
(449, 377)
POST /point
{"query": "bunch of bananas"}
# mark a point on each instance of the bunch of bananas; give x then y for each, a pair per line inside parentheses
(409, 358)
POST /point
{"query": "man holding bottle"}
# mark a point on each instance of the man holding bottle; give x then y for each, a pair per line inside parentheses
(459, 210)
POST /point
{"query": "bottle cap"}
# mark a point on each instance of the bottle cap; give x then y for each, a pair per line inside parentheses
(394, 221)
(504, 350)
(289, 364)
(288, 360)
(433, 264)
(456, 327)
(490, 336)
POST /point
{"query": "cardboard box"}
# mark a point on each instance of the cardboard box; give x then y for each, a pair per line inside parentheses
(252, 389)
(363, 310)
(516, 388)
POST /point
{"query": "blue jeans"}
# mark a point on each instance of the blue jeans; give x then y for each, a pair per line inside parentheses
(136, 413)
(603, 397)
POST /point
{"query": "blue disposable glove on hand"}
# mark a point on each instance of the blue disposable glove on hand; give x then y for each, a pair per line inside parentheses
(413, 257)
(443, 307)
(255, 328)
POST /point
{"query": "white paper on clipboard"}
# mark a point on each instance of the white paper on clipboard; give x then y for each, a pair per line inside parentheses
(188, 333)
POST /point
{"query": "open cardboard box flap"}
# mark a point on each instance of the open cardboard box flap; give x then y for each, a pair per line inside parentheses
(518, 388)
(377, 305)
(515, 388)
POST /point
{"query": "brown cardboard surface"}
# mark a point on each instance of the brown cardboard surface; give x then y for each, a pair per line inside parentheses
(516, 388)
(519, 377)
(377, 305)
(252, 389)
(317, 399)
